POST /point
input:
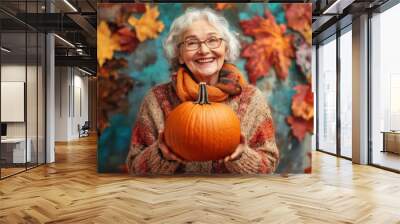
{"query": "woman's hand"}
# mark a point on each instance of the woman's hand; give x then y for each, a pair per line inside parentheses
(166, 152)
(238, 151)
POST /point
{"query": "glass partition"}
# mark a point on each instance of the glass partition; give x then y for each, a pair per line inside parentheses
(327, 96)
(385, 89)
(13, 104)
(22, 89)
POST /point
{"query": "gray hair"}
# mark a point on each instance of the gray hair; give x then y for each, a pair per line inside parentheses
(184, 21)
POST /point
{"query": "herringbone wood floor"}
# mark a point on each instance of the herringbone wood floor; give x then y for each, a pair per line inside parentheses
(71, 191)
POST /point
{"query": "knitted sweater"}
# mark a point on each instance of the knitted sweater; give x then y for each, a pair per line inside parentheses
(261, 154)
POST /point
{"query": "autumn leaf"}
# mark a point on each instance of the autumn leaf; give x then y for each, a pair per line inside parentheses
(300, 127)
(222, 6)
(113, 96)
(107, 43)
(127, 39)
(110, 68)
(298, 18)
(303, 102)
(114, 88)
(270, 48)
(147, 26)
(303, 111)
(126, 10)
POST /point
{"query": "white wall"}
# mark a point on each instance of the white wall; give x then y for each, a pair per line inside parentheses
(13, 72)
(81, 113)
(71, 102)
(61, 103)
(16, 73)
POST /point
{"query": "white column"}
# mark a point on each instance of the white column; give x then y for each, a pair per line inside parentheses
(50, 100)
(50, 93)
(360, 90)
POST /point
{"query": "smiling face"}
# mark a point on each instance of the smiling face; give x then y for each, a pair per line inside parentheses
(204, 63)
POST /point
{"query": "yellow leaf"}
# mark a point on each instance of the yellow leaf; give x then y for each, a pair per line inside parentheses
(106, 43)
(147, 26)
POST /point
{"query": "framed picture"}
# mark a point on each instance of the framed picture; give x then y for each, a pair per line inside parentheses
(212, 88)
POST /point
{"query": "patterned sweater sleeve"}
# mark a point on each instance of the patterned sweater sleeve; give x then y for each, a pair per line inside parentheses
(261, 154)
(144, 156)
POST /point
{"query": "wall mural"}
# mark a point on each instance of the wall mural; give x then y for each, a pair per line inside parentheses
(275, 57)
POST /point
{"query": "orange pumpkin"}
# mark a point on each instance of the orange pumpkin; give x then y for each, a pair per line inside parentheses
(202, 131)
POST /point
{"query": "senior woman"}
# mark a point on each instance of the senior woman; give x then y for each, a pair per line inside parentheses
(201, 48)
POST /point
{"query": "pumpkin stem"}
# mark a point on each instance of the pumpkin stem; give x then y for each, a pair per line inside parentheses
(203, 95)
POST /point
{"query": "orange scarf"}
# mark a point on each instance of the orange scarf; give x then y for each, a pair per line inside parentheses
(230, 82)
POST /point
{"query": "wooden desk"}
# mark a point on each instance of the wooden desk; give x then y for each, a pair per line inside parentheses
(13, 150)
(391, 141)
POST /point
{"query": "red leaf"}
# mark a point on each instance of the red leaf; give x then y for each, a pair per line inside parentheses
(256, 66)
(300, 126)
(271, 47)
(304, 93)
(127, 39)
(299, 19)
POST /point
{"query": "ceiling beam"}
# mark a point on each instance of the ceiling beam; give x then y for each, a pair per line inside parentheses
(337, 7)
(84, 24)
(77, 61)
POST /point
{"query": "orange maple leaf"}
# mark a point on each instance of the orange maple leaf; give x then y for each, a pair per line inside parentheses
(107, 43)
(303, 102)
(147, 26)
(271, 47)
(299, 19)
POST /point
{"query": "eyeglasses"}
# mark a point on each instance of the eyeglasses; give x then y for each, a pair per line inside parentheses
(194, 44)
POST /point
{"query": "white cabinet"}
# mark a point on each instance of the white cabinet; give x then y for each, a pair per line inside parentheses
(391, 142)
(17, 146)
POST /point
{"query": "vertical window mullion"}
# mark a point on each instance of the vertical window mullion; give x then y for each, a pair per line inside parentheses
(26, 86)
(369, 100)
(338, 73)
(0, 88)
(317, 97)
(37, 89)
